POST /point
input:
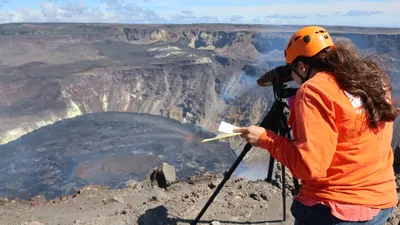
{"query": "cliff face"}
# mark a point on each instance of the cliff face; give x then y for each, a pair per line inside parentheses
(198, 74)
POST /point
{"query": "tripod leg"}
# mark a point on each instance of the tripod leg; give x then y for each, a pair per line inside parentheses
(270, 169)
(296, 185)
(269, 122)
(295, 181)
(283, 192)
(226, 178)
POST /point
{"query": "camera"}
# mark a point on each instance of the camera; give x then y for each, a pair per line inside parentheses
(276, 76)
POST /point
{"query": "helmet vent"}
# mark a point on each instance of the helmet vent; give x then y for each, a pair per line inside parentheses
(307, 39)
(291, 41)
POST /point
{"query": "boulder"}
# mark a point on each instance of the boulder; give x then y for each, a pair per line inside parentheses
(163, 176)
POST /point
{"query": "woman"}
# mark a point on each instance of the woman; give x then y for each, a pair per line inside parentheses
(342, 121)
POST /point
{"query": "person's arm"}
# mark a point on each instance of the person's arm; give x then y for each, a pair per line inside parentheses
(311, 154)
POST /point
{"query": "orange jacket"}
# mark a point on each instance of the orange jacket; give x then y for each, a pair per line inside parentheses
(334, 154)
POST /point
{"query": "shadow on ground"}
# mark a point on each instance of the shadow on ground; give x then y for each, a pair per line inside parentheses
(159, 216)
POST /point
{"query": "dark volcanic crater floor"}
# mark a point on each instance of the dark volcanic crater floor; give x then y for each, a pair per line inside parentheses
(106, 148)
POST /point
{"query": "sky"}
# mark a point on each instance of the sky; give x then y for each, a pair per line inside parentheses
(377, 13)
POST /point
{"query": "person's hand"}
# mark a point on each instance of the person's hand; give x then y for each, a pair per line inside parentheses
(251, 133)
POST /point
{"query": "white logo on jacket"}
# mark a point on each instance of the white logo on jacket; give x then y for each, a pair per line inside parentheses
(356, 102)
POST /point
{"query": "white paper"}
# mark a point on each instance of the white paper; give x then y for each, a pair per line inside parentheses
(226, 130)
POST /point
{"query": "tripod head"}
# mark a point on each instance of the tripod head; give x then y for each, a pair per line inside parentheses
(277, 78)
(281, 91)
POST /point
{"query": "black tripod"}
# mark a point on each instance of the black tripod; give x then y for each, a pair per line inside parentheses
(276, 121)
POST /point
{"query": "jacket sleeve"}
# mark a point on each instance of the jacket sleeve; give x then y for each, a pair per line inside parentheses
(315, 134)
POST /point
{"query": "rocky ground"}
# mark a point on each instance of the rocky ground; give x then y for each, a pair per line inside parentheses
(158, 200)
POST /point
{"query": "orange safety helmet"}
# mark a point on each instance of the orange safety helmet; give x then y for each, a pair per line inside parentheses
(307, 42)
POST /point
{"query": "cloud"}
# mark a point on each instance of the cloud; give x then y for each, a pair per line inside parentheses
(111, 2)
(187, 12)
(277, 16)
(132, 12)
(67, 11)
(312, 9)
(280, 19)
(367, 13)
(234, 19)
(362, 13)
(183, 18)
(208, 19)
(321, 15)
(2, 2)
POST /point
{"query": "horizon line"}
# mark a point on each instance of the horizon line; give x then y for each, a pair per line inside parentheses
(230, 24)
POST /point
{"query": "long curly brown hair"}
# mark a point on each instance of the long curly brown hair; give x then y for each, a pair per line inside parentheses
(359, 76)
